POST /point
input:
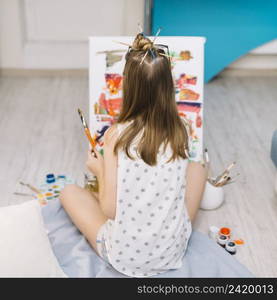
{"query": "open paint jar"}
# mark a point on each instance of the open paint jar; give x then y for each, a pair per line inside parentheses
(231, 247)
(91, 183)
(213, 232)
(222, 240)
(225, 231)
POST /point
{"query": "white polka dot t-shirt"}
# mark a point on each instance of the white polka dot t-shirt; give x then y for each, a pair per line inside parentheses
(151, 228)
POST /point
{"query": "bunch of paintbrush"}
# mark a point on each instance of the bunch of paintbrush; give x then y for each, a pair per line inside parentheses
(29, 186)
(222, 179)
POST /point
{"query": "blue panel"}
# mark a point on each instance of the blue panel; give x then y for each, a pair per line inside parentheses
(232, 28)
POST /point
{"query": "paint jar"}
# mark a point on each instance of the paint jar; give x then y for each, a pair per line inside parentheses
(61, 181)
(222, 240)
(42, 199)
(47, 187)
(231, 247)
(95, 185)
(225, 231)
(213, 232)
(50, 178)
(213, 197)
(91, 184)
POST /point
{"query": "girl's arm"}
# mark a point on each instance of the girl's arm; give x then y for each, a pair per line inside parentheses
(108, 177)
(196, 177)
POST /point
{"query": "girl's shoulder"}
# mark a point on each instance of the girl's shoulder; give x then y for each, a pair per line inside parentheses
(187, 124)
(185, 120)
(115, 128)
(121, 126)
(110, 134)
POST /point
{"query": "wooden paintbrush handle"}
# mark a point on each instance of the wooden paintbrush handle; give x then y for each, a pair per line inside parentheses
(92, 142)
(33, 189)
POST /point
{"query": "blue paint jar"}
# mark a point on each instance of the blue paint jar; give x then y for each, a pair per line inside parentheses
(50, 178)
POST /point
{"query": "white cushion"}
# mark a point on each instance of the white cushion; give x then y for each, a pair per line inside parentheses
(25, 250)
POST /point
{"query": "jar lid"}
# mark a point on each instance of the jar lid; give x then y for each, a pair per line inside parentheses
(50, 178)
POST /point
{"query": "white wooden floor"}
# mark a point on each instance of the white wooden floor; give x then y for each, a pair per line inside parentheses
(40, 132)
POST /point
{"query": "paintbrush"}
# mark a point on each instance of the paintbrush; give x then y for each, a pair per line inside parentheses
(229, 182)
(230, 166)
(223, 181)
(30, 187)
(211, 181)
(87, 131)
(168, 56)
(225, 172)
(24, 194)
(139, 28)
(156, 35)
(207, 162)
(207, 156)
(122, 43)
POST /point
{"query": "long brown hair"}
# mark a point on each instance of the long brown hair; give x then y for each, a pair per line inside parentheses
(149, 101)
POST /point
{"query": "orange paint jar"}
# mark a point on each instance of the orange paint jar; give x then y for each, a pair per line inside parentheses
(225, 231)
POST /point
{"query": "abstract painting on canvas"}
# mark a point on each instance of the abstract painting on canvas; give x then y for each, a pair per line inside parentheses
(107, 60)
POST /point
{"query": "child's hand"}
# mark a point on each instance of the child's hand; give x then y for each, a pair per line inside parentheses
(95, 164)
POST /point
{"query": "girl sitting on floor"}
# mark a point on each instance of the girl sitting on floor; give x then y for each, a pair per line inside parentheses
(140, 222)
